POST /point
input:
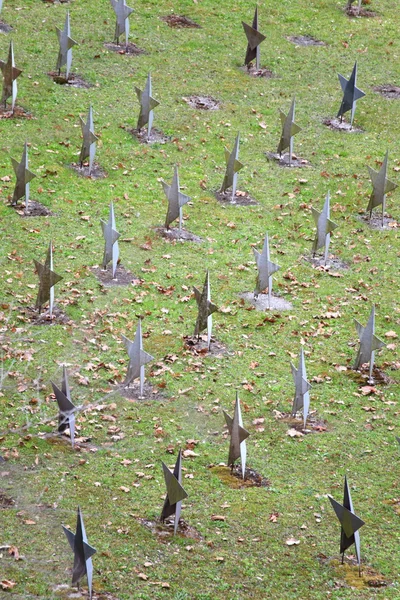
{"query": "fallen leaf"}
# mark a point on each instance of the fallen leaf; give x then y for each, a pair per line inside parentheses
(6, 584)
(292, 542)
(294, 433)
(217, 517)
(143, 576)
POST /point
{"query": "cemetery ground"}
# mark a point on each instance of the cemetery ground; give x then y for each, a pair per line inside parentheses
(278, 541)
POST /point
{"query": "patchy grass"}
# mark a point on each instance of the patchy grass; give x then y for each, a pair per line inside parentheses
(115, 473)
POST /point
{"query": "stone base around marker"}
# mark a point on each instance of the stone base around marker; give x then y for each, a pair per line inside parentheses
(392, 92)
(97, 172)
(233, 478)
(19, 112)
(129, 49)
(180, 22)
(337, 125)
(5, 27)
(74, 80)
(375, 222)
(58, 318)
(261, 302)
(198, 345)
(254, 72)
(35, 209)
(283, 161)
(318, 262)
(122, 276)
(202, 102)
(314, 423)
(132, 392)
(304, 40)
(174, 234)
(239, 199)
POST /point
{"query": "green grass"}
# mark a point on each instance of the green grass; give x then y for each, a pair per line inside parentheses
(45, 477)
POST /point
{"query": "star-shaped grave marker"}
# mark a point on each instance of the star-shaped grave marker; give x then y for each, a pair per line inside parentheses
(233, 166)
(175, 492)
(381, 185)
(24, 177)
(66, 44)
(10, 74)
(324, 228)
(302, 388)
(205, 310)
(47, 280)
(350, 524)
(369, 343)
(88, 149)
(254, 39)
(237, 446)
(351, 93)
(66, 409)
(147, 105)
(83, 553)
(111, 235)
(122, 12)
(266, 269)
(289, 130)
(138, 358)
(175, 200)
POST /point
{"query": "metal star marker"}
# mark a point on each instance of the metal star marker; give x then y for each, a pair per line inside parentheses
(381, 185)
(289, 129)
(83, 553)
(233, 166)
(350, 524)
(66, 409)
(88, 149)
(66, 44)
(175, 492)
(237, 447)
(324, 228)
(266, 269)
(351, 93)
(254, 39)
(47, 280)
(10, 74)
(122, 12)
(147, 105)
(138, 358)
(302, 388)
(24, 176)
(205, 310)
(111, 235)
(175, 200)
(369, 342)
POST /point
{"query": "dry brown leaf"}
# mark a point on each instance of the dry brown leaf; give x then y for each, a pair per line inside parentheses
(292, 542)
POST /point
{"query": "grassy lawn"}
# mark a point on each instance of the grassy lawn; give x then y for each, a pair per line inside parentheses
(115, 473)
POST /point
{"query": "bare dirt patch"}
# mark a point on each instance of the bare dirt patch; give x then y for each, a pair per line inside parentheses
(252, 71)
(4, 27)
(376, 222)
(180, 22)
(129, 49)
(19, 112)
(338, 125)
(156, 136)
(261, 302)
(5, 501)
(74, 80)
(59, 317)
(174, 234)
(234, 479)
(333, 263)
(239, 199)
(202, 102)
(122, 276)
(165, 531)
(353, 11)
(361, 376)
(314, 423)
(96, 173)
(132, 392)
(349, 573)
(283, 161)
(388, 91)
(305, 40)
(35, 209)
(198, 345)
